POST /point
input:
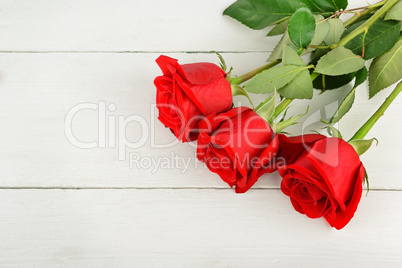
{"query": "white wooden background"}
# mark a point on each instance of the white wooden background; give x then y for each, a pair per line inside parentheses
(62, 206)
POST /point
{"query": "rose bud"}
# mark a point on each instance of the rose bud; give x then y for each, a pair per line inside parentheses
(239, 146)
(187, 93)
(322, 176)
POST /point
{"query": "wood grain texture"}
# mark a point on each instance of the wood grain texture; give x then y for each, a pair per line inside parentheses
(182, 228)
(38, 90)
(55, 55)
(125, 25)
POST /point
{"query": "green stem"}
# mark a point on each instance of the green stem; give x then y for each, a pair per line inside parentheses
(364, 12)
(364, 37)
(365, 26)
(243, 78)
(319, 47)
(314, 76)
(362, 132)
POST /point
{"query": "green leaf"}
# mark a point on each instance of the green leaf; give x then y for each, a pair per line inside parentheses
(290, 57)
(268, 80)
(335, 31)
(300, 87)
(322, 6)
(339, 61)
(301, 27)
(279, 28)
(318, 53)
(258, 14)
(347, 103)
(333, 82)
(344, 107)
(278, 50)
(361, 76)
(386, 69)
(380, 37)
(361, 146)
(267, 108)
(395, 12)
(321, 30)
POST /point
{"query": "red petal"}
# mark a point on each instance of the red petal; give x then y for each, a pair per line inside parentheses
(343, 217)
(202, 73)
(169, 66)
(215, 97)
(292, 147)
(338, 163)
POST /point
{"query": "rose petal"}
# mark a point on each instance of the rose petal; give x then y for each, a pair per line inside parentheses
(202, 73)
(292, 147)
(169, 66)
(214, 98)
(343, 217)
(186, 89)
(217, 154)
(286, 184)
(296, 205)
(338, 164)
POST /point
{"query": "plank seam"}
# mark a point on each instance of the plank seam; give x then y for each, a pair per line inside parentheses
(166, 188)
(127, 51)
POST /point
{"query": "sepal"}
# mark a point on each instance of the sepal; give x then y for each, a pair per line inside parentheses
(280, 126)
(361, 146)
(267, 108)
(238, 90)
(222, 63)
(366, 181)
(333, 131)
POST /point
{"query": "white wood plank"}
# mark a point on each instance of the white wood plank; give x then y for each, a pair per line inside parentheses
(183, 227)
(38, 90)
(190, 228)
(124, 25)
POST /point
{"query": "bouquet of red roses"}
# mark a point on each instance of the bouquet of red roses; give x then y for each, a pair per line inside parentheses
(323, 176)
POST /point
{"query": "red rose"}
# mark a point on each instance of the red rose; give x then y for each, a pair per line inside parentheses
(186, 93)
(322, 176)
(239, 146)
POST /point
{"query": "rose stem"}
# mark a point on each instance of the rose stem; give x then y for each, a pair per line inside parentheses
(363, 13)
(361, 133)
(285, 103)
(365, 26)
(243, 78)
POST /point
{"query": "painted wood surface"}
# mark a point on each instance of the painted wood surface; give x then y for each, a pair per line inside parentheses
(65, 206)
(40, 89)
(190, 228)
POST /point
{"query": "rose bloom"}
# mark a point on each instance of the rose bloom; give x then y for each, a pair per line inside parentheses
(239, 146)
(186, 93)
(322, 176)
